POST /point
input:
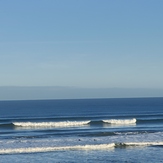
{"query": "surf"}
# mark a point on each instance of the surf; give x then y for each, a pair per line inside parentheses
(78, 147)
(121, 121)
(51, 124)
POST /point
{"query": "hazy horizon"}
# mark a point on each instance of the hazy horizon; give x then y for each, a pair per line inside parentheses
(56, 92)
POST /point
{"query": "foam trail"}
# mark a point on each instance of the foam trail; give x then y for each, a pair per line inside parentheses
(78, 147)
(120, 121)
(143, 144)
(51, 124)
(48, 149)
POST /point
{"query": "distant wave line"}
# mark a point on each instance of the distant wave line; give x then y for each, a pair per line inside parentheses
(74, 123)
(56, 124)
(30, 124)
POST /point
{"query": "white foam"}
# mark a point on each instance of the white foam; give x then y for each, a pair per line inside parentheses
(48, 149)
(143, 143)
(85, 143)
(121, 121)
(77, 147)
(51, 124)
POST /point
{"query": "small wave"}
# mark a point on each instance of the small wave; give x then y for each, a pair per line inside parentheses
(6, 125)
(51, 124)
(152, 120)
(120, 121)
(48, 149)
(99, 134)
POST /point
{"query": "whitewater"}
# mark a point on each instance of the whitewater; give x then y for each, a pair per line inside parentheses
(94, 130)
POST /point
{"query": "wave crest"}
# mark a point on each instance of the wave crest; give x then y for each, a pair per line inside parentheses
(78, 147)
(48, 149)
(121, 121)
(51, 124)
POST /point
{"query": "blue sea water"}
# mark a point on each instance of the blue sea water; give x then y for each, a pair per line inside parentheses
(85, 130)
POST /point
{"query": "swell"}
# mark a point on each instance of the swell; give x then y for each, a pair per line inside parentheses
(86, 117)
(150, 121)
(116, 133)
(91, 123)
(6, 125)
(74, 123)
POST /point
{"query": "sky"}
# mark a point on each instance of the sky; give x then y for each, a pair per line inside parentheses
(81, 46)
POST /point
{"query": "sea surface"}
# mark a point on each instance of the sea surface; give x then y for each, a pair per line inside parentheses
(128, 130)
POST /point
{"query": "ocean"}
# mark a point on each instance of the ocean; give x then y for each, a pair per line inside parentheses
(117, 130)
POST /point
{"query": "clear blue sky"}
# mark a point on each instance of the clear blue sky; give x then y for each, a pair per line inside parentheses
(82, 43)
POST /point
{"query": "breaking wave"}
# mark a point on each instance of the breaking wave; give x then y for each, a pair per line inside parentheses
(140, 144)
(68, 123)
(48, 149)
(74, 123)
(45, 124)
(120, 121)
(78, 147)
(51, 124)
